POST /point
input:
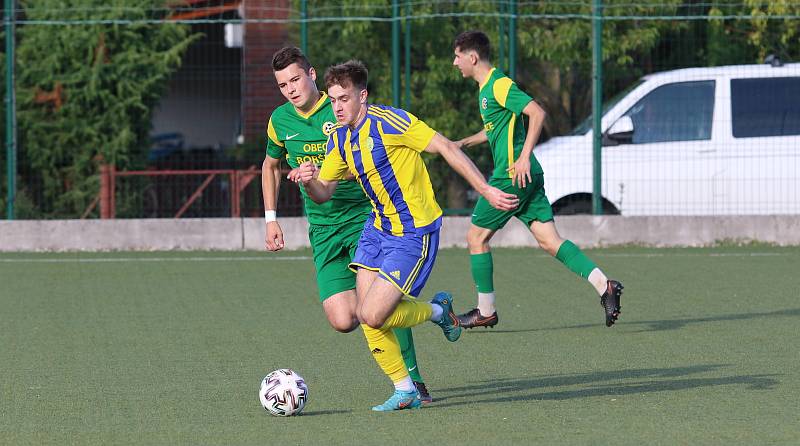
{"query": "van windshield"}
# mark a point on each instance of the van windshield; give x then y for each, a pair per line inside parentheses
(586, 125)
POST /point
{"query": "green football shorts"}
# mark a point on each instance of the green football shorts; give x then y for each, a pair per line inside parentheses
(334, 247)
(533, 205)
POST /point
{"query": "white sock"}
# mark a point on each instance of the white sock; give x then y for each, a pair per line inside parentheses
(405, 384)
(486, 303)
(598, 280)
(437, 312)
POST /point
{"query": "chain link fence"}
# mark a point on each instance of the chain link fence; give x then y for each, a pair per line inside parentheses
(701, 112)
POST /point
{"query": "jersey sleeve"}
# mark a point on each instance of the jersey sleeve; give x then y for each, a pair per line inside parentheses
(509, 96)
(418, 135)
(275, 147)
(334, 167)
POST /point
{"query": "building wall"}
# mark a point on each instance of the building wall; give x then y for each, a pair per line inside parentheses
(259, 92)
(203, 101)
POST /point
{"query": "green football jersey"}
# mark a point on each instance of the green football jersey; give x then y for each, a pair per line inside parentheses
(301, 137)
(501, 103)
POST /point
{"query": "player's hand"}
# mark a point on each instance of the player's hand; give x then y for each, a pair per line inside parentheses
(303, 173)
(501, 200)
(521, 171)
(274, 238)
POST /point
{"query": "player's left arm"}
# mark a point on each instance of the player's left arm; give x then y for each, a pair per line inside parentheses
(522, 166)
(451, 152)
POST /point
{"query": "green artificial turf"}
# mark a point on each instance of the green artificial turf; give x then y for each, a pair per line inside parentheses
(169, 348)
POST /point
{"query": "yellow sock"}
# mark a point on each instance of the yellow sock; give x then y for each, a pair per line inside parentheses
(386, 351)
(408, 313)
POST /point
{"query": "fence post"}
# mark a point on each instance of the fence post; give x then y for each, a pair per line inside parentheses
(512, 40)
(107, 191)
(396, 53)
(407, 49)
(235, 212)
(304, 26)
(11, 116)
(597, 106)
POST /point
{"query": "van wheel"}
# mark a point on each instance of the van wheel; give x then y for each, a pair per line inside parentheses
(577, 205)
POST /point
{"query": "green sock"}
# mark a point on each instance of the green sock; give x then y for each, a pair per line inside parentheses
(573, 258)
(482, 271)
(406, 342)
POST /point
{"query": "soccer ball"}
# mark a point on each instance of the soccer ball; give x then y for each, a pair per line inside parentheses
(283, 393)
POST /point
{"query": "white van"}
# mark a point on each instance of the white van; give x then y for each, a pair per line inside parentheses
(697, 141)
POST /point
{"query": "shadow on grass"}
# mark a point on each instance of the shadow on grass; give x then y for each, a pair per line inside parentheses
(668, 324)
(603, 383)
(324, 412)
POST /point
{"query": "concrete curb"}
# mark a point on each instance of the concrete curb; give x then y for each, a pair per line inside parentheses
(248, 233)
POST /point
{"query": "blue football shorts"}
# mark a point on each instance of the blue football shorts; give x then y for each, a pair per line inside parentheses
(405, 261)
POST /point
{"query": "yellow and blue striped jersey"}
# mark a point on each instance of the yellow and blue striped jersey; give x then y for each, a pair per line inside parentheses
(384, 154)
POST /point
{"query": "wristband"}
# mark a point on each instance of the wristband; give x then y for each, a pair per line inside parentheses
(269, 216)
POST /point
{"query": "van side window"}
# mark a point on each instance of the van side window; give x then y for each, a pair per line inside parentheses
(765, 106)
(681, 111)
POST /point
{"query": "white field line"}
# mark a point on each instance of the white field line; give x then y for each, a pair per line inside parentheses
(153, 259)
(294, 258)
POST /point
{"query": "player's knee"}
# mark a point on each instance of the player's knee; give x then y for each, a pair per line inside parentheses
(343, 323)
(475, 241)
(550, 245)
(344, 327)
(373, 320)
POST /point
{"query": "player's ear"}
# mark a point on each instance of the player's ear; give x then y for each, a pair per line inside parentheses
(473, 57)
(313, 73)
(362, 96)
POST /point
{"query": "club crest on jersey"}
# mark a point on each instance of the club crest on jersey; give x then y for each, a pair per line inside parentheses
(484, 103)
(327, 128)
(370, 144)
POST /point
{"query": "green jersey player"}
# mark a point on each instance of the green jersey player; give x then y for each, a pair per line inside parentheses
(516, 171)
(298, 131)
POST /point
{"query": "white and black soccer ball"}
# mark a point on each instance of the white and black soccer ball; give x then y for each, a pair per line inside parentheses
(283, 393)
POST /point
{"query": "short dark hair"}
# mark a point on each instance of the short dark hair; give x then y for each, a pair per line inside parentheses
(476, 41)
(287, 56)
(352, 72)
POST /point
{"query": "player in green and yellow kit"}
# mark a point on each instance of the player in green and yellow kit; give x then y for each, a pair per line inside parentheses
(516, 171)
(298, 131)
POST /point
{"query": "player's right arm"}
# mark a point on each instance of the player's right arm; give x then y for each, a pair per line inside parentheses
(320, 184)
(453, 155)
(270, 185)
(317, 189)
(473, 140)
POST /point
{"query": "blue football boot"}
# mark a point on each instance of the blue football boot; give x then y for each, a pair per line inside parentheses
(399, 401)
(449, 321)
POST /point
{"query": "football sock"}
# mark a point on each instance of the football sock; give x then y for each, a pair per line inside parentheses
(598, 280)
(386, 352)
(436, 312)
(482, 271)
(486, 303)
(406, 341)
(405, 385)
(573, 258)
(408, 313)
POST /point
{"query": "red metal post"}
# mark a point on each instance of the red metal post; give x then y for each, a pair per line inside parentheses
(235, 194)
(105, 191)
(112, 173)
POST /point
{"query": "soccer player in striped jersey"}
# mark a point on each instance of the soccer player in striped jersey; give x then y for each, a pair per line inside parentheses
(298, 131)
(381, 146)
(516, 171)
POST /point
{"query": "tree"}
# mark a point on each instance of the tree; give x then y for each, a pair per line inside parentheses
(86, 92)
(554, 61)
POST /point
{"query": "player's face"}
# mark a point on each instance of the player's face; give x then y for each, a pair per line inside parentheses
(348, 103)
(298, 86)
(464, 61)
